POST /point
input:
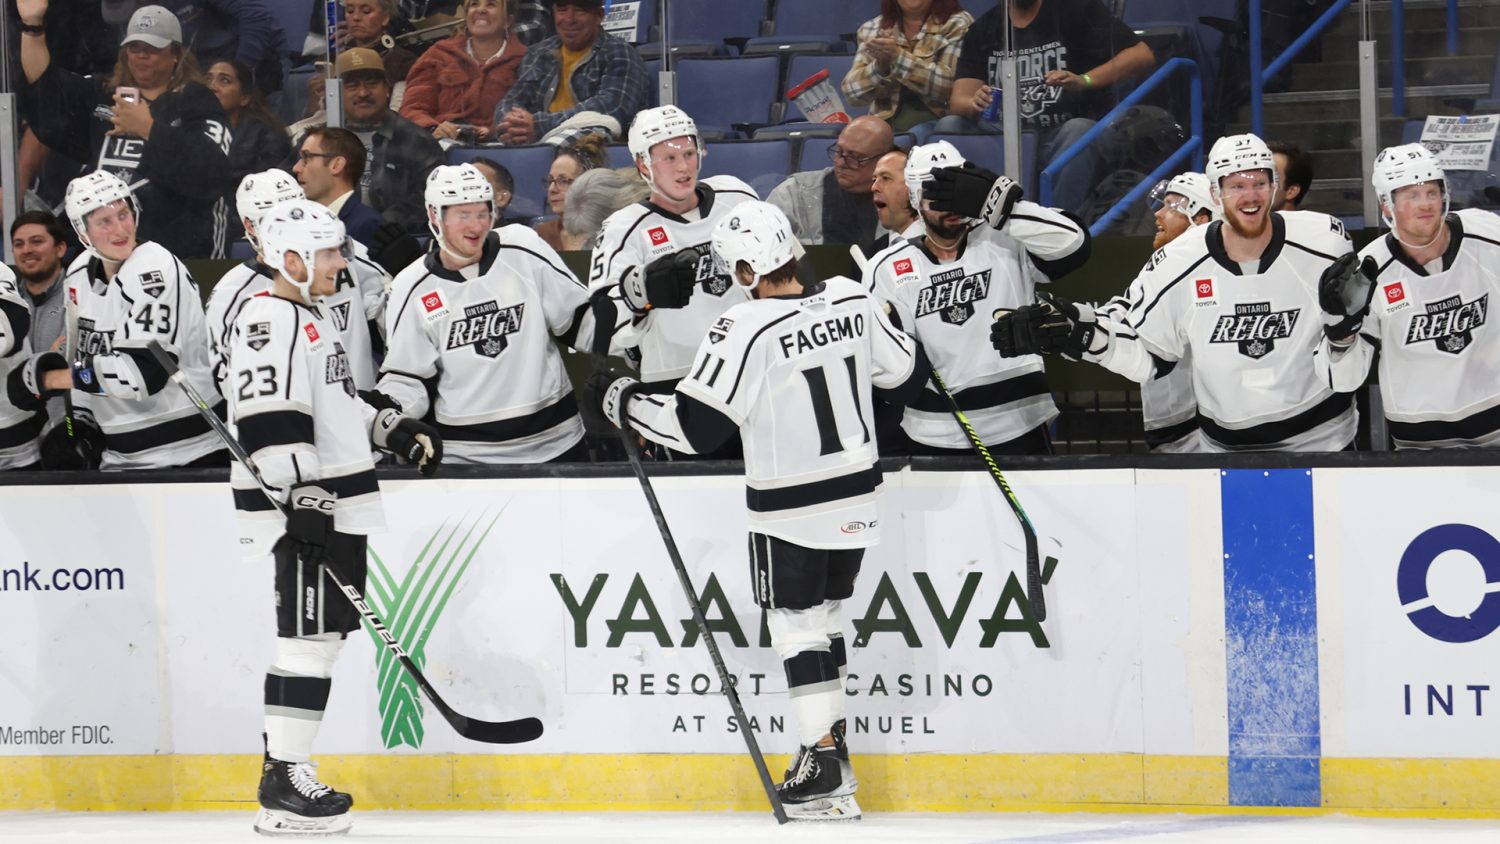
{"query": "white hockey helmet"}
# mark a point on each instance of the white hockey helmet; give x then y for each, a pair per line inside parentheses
(757, 233)
(1190, 186)
(90, 192)
(924, 159)
(1236, 154)
(259, 193)
(1403, 166)
(305, 228)
(655, 125)
(454, 184)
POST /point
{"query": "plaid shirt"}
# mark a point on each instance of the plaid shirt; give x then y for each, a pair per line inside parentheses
(610, 80)
(925, 66)
(533, 21)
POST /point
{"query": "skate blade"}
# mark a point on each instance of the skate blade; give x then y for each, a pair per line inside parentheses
(275, 822)
(824, 810)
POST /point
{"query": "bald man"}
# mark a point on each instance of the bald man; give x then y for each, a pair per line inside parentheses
(834, 205)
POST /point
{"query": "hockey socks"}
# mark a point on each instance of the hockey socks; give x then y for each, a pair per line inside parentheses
(297, 686)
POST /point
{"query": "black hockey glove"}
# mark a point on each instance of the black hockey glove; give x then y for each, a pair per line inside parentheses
(667, 282)
(1052, 326)
(24, 386)
(606, 394)
(1344, 292)
(378, 400)
(974, 192)
(75, 443)
(409, 439)
(309, 522)
(393, 249)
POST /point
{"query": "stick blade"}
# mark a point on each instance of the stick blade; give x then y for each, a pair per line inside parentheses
(518, 731)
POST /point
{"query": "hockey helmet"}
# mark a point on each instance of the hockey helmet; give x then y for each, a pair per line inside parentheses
(1192, 187)
(259, 193)
(305, 228)
(924, 159)
(1236, 154)
(1403, 166)
(757, 233)
(90, 192)
(655, 125)
(455, 184)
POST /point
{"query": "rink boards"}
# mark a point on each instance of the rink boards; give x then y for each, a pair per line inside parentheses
(1318, 638)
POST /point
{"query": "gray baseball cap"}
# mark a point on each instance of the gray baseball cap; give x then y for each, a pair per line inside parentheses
(153, 25)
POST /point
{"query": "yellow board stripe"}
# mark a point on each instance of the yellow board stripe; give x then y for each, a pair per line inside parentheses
(666, 782)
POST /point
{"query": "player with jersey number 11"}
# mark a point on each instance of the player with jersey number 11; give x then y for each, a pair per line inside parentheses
(792, 371)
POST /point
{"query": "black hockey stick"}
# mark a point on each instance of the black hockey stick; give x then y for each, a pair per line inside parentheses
(1033, 557)
(490, 732)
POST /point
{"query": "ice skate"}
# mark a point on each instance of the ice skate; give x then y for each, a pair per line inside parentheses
(294, 802)
(820, 785)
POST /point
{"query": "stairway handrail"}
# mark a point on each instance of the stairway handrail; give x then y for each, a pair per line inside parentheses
(1259, 76)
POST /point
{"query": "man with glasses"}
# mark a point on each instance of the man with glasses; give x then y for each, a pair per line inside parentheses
(330, 165)
(1240, 295)
(834, 205)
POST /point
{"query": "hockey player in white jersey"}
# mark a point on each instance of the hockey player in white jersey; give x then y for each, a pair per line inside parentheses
(984, 248)
(791, 371)
(23, 412)
(293, 407)
(472, 333)
(1241, 296)
(1420, 297)
(356, 308)
(652, 259)
(124, 296)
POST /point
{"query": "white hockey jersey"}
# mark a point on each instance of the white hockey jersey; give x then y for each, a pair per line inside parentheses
(1439, 359)
(793, 375)
(20, 430)
(1251, 335)
(639, 234)
(1169, 408)
(948, 307)
(357, 308)
(476, 349)
(294, 408)
(147, 422)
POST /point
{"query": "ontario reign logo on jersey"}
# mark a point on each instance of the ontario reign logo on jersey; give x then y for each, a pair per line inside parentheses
(92, 342)
(485, 327)
(953, 294)
(1449, 324)
(706, 278)
(336, 370)
(1255, 327)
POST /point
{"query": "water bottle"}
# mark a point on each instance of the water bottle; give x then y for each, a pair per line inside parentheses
(992, 111)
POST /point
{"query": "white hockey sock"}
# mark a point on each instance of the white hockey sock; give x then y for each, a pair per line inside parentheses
(297, 687)
(812, 676)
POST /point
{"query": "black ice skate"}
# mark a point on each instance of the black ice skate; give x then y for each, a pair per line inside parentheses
(294, 802)
(820, 784)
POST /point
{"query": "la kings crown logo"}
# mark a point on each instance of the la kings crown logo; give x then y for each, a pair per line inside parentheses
(952, 295)
(486, 327)
(1449, 323)
(1255, 327)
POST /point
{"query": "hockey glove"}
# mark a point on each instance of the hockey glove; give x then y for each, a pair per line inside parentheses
(1344, 292)
(974, 192)
(393, 249)
(409, 439)
(309, 522)
(1052, 326)
(667, 282)
(24, 386)
(607, 393)
(75, 443)
(378, 400)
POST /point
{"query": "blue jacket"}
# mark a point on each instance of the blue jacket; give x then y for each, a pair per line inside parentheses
(360, 220)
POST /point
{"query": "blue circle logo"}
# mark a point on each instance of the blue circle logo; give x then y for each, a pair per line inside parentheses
(1411, 582)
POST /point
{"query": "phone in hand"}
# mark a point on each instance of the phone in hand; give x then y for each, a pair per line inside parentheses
(128, 94)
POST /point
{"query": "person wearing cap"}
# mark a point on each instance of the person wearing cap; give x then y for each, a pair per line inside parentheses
(400, 153)
(582, 76)
(153, 123)
(367, 24)
(245, 31)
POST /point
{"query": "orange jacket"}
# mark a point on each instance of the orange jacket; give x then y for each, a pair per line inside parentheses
(446, 84)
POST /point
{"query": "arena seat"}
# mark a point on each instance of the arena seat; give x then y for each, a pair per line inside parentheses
(822, 18)
(720, 93)
(705, 27)
(763, 164)
(295, 19)
(528, 165)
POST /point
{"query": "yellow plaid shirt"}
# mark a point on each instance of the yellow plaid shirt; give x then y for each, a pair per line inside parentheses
(925, 66)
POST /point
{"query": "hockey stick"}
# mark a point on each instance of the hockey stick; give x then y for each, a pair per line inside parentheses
(490, 732)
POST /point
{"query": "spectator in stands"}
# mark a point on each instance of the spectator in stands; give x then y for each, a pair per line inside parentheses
(454, 88)
(367, 24)
(581, 80)
(596, 195)
(898, 219)
(533, 21)
(834, 205)
(258, 140)
(904, 68)
(245, 31)
(330, 165)
(399, 154)
(569, 163)
(40, 243)
(152, 122)
(501, 182)
(1072, 53)
(1294, 174)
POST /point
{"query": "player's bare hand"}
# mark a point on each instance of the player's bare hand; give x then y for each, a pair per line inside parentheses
(31, 12)
(132, 118)
(60, 380)
(1065, 79)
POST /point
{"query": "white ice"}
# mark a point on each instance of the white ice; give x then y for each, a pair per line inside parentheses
(745, 828)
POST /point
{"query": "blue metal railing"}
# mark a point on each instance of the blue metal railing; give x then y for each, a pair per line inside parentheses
(1259, 76)
(1193, 146)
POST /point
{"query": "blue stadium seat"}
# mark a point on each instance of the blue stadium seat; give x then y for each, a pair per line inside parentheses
(801, 67)
(719, 93)
(713, 21)
(241, 250)
(988, 151)
(528, 165)
(823, 17)
(1157, 17)
(617, 155)
(645, 19)
(978, 7)
(763, 164)
(814, 153)
(295, 18)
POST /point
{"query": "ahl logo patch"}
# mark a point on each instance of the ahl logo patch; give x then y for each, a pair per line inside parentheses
(486, 327)
(153, 284)
(257, 335)
(720, 331)
(1255, 328)
(952, 295)
(1449, 324)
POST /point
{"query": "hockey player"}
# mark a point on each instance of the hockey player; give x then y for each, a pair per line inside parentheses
(471, 328)
(1434, 273)
(356, 307)
(23, 413)
(984, 248)
(1239, 295)
(791, 372)
(121, 296)
(653, 258)
(292, 403)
